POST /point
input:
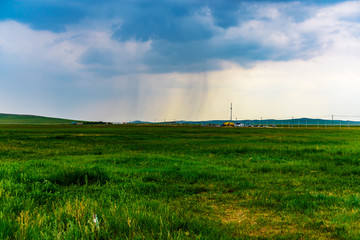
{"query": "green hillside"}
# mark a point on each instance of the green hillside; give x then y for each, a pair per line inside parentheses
(30, 119)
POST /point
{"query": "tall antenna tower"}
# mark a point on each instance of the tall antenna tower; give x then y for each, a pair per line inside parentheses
(230, 111)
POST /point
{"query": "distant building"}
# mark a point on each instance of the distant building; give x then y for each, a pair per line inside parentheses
(239, 124)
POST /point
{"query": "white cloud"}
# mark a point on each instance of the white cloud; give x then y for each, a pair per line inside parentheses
(340, 11)
(274, 27)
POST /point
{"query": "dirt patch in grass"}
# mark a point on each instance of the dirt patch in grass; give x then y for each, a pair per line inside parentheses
(254, 223)
(234, 216)
(263, 223)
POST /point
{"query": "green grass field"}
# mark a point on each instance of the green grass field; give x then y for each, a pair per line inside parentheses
(156, 182)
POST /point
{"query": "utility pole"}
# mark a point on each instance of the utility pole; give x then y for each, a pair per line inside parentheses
(230, 111)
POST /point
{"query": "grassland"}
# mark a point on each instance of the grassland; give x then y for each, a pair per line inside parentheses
(178, 183)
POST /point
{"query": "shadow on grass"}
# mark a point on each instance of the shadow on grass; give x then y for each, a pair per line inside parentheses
(80, 176)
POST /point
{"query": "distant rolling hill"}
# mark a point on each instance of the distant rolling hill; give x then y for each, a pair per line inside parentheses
(31, 119)
(284, 122)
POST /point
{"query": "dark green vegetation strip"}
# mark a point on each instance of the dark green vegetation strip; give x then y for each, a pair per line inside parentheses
(178, 183)
(30, 119)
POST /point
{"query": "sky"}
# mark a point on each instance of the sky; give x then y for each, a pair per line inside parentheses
(159, 60)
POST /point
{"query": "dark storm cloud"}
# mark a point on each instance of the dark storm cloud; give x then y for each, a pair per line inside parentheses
(157, 16)
(186, 36)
